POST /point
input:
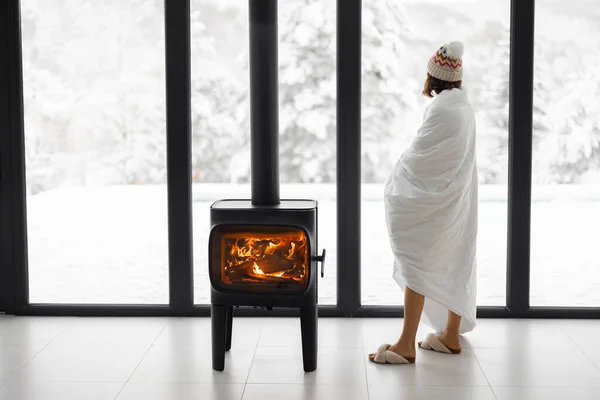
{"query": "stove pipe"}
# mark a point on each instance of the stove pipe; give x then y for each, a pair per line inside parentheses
(264, 103)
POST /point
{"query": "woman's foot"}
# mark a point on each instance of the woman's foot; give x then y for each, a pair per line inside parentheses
(452, 342)
(403, 350)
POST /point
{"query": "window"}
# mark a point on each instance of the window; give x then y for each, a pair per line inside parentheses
(398, 38)
(220, 117)
(565, 212)
(94, 97)
(307, 118)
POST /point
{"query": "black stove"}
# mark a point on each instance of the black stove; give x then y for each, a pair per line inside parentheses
(263, 251)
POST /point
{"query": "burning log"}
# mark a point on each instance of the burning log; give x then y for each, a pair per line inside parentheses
(267, 268)
(272, 264)
(262, 258)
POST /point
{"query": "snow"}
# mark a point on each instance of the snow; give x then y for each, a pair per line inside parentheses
(94, 88)
(95, 138)
(109, 244)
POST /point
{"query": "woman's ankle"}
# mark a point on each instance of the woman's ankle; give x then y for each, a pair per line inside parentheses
(406, 344)
(404, 349)
(451, 338)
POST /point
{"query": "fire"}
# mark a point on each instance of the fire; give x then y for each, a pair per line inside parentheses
(265, 257)
(256, 269)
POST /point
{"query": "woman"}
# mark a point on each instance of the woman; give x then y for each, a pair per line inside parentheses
(431, 212)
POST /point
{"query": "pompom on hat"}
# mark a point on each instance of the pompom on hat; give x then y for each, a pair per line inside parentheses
(446, 64)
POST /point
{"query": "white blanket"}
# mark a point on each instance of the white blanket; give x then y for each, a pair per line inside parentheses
(431, 212)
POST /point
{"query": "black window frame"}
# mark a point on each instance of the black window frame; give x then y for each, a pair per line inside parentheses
(14, 296)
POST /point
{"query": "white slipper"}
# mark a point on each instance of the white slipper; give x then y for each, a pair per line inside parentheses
(433, 343)
(385, 356)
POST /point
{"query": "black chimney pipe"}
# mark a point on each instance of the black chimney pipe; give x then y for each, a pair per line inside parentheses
(264, 102)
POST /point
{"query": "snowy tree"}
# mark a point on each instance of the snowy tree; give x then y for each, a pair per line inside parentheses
(219, 122)
(307, 91)
(94, 89)
(221, 139)
(575, 147)
(388, 92)
(492, 98)
(307, 83)
(566, 147)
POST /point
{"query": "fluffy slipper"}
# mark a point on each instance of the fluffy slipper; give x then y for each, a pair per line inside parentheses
(385, 356)
(433, 343)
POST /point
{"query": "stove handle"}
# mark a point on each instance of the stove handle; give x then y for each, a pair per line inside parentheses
(321, 259)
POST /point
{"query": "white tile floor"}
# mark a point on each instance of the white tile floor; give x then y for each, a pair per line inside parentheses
(162, 358)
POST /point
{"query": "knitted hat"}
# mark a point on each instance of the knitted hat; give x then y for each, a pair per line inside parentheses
(446, 63)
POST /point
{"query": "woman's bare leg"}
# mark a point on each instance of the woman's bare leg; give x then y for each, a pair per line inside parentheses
(413, 307)
(451, 336)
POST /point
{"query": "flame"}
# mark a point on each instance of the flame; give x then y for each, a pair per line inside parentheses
(257, 269)
(257, 256)
(291, 254)
(270, 250)
(243, 252)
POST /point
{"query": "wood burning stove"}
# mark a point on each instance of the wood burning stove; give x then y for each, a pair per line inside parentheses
(260, 258)
(264, 256)
(263, 251)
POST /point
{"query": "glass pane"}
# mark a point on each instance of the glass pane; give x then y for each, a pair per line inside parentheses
(565, 267)
(94, 94)
(398, 38)
(307, 118)
(220, 124)
(260, 258)
(220, 101)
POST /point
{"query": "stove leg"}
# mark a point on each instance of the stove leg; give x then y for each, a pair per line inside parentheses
(309, 325)
(218, 316)
(229, 328)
